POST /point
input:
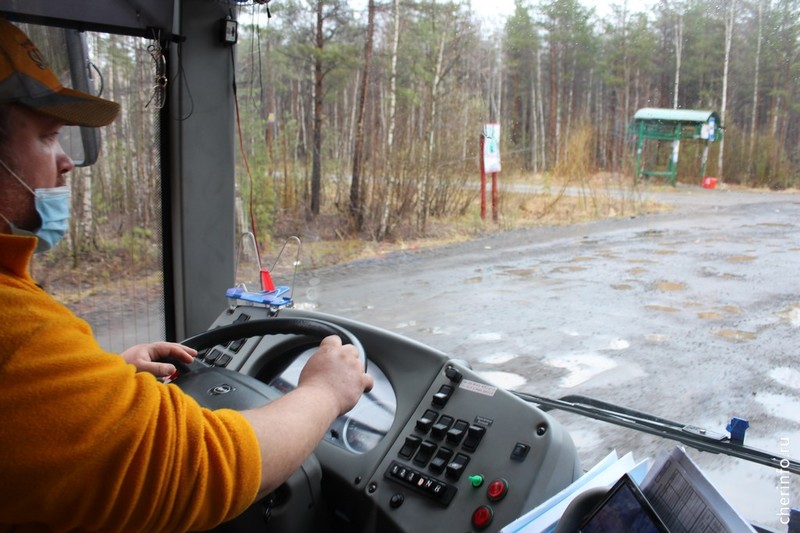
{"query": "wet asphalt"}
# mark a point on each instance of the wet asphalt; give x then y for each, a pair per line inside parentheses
(691, 315)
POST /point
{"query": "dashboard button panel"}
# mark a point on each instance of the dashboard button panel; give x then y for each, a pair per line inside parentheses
(435, 489)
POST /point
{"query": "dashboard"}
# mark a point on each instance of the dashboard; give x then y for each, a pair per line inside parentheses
(433, 446)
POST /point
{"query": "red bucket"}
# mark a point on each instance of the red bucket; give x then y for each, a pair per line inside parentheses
(709, 182)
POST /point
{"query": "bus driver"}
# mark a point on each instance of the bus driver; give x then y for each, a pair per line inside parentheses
(93, 441)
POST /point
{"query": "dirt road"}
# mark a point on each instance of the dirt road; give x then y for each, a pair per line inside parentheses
(691, 315)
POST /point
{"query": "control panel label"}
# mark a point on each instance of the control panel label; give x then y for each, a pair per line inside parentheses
(480, 388)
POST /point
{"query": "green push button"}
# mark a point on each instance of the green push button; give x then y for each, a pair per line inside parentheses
(476, 480)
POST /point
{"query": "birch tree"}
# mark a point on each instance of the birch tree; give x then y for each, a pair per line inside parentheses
(756, 70)
(726, 68)
(356, 208)
(383, 228)
(678, 42)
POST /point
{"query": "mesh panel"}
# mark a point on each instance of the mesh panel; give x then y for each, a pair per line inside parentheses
(109, 269)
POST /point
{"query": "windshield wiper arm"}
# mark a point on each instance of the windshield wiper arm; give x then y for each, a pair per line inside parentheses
(694, 436)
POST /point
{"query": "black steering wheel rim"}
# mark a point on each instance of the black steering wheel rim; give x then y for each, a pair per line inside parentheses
(216, 387)
(274, 326)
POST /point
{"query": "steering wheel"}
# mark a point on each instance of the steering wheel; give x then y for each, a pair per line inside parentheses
(216, 387)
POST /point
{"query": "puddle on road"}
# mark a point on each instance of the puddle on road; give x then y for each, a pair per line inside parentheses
(486, 337)
(622, 287)
(791, 315)
(580, 367)
(607, 254)
(786, 376)
(710, 315)
(568, 268)
(586, 438)
(438, 330)
(720, 313)
(619, 344)
(497, 358)
(669, 286)
(649, 234)
(773, 225)
(732, 277)
(752, 489)
(664, 308)
(504, 380)
(735, 335)
(520, 272)
(741, 258)
(780, 405)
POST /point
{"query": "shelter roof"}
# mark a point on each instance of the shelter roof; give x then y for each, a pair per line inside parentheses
(676, 115)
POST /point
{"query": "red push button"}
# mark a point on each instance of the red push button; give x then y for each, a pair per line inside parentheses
(482, 517)
(497, 490)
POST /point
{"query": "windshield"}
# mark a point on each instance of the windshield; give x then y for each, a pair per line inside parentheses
(577, 198)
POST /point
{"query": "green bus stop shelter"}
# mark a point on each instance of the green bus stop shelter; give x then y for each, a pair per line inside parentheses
(673, 125)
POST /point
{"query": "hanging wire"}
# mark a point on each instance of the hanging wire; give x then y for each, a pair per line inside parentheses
(184, 85)
(266, 279)
(296, 263)
(159, 95)
(241, 3)
(251, 201)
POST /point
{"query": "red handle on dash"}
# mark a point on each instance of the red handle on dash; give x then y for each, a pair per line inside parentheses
(266, 281)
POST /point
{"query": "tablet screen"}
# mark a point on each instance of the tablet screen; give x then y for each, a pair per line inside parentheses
(624, 508)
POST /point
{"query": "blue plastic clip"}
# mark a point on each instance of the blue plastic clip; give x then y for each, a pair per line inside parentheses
(274, 298)
(794, 520)
(737, 427)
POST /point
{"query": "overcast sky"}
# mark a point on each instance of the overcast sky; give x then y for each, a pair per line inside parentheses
(493, 12)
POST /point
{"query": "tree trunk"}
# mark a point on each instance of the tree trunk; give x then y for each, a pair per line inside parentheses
(540, 106)
(316, 170)
(356, 208)
(754, 116)
(384, 226)
(678, 52)
(552, 118)
(426, 185)
(726, 68)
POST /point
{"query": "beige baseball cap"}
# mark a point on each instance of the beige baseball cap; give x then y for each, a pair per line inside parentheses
(25, 78)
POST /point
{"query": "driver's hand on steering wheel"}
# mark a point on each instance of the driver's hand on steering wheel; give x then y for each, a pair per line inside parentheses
(145, 357)
(338, 369)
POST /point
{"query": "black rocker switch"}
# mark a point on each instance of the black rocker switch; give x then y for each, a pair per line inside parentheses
(440, 398)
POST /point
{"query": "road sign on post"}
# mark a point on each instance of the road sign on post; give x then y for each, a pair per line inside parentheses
(491, 148)
(490, 163)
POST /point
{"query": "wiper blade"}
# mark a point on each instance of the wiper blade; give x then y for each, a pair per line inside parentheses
(694, 436)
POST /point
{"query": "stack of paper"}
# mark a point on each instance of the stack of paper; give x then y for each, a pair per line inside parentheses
(683, 497)
(686, 500)
(544, 518)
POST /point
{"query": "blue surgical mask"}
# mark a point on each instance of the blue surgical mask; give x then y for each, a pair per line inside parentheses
(53, 206)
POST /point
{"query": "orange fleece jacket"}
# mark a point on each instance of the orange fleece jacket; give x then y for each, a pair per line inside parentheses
(88, 444)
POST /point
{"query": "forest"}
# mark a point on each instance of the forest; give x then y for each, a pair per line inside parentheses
(368, 117)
